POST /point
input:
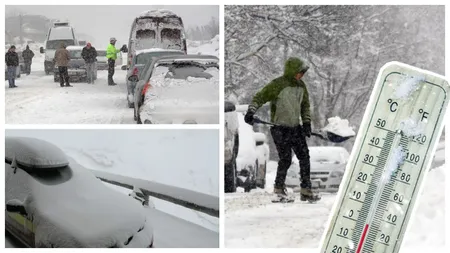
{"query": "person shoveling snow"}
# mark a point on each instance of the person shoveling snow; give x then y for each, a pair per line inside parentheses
(290, 114)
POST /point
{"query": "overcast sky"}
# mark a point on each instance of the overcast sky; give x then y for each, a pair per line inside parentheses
(105, 21)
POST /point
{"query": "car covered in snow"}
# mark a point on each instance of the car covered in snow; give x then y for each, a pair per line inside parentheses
(52, 201)
(327, 168)
(142, 59)
(178, 89)
(231, 132)
(77, 67)
(253, 156)
(156, 29)
(102, 61)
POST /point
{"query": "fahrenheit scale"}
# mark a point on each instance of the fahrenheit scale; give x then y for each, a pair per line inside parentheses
(389, 161)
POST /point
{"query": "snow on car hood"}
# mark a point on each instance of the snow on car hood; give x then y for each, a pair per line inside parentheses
(83, 212)
(175, 101)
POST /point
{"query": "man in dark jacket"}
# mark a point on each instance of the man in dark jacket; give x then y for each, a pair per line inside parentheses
(61, 59)
(290, 112)
(12, 61)
(27, 56)
(89, 55)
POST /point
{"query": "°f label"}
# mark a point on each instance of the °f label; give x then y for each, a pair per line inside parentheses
(389, 161)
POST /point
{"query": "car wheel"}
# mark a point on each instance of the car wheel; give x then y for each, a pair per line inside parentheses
(139, 119)
(147, 121)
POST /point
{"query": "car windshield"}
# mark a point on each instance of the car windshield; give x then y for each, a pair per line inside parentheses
(75, 54)
(145, 58)
(55, 44)
(145, 39)
(186, 69)
(101, 53)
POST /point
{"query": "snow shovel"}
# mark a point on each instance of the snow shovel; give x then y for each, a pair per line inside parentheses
(325, 135)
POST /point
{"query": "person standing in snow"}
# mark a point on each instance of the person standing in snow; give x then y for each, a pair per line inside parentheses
(12, 61)
(111, 55)
(27, 56)
(290, 112)
(89, 55)
(62, 58)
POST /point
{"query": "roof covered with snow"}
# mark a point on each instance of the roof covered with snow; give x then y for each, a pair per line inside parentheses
(152, 50)
(158, 13)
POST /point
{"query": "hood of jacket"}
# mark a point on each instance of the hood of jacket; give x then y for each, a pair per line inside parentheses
(292, 66)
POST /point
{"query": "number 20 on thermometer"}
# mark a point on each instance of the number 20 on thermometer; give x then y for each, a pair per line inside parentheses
(390, 159)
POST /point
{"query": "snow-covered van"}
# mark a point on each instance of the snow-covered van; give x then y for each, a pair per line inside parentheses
(60, 32)
(54, 202)
(156, 29)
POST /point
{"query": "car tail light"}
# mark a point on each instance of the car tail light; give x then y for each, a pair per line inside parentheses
(146, 87)
(135, 71)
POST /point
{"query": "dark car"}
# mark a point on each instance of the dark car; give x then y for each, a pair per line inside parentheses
(77, 67)
(139, 61)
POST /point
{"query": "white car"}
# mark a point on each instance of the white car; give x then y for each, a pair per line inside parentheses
(252, 158)
(327, 168)
(231, 146)
(51, 201)
(178, 89)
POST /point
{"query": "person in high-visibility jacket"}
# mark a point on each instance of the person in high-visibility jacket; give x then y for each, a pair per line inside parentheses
(111, 55)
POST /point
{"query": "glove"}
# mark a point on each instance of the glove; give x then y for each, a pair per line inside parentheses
(307, 129)
(249, 117)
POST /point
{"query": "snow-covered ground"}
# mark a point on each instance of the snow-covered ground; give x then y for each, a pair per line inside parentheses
(39, 100)
(210, 47)
(251, 220)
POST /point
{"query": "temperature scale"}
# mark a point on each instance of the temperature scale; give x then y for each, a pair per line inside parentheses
(390, 159)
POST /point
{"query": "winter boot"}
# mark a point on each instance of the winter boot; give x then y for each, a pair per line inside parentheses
(281, 195)
(309, 195)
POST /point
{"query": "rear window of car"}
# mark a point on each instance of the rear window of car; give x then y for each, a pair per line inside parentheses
(184, 70)
(145, 39)
(145, 58)
(101, 53)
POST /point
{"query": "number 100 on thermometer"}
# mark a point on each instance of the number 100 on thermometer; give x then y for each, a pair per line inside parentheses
(390, 159)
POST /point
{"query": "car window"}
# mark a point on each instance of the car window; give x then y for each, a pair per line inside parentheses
(171, 38)
(101, 53)
(53, 176)
(184, 70)
(55, 44)
(145, 39)
(75, 54)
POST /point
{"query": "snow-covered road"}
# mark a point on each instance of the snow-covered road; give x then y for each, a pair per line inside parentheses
(39, 100)
(251, 220)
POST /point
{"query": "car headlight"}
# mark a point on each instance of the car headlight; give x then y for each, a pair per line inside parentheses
(336, 174)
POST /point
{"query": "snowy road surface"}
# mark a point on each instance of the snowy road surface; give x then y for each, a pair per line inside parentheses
(252, 221)
(39, 100)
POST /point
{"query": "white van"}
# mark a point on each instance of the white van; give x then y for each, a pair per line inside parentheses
(156, 29)
(60, 32)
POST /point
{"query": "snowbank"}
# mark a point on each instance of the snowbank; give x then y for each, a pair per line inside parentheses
(210, 47)
(339, 126)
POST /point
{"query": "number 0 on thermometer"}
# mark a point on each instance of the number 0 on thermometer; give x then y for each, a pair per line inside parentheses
(390, 159)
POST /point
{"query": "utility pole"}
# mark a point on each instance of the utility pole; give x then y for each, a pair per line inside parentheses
(20, 28)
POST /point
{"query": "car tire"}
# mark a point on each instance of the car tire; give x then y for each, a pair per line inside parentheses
(139, 119)
(230, 176)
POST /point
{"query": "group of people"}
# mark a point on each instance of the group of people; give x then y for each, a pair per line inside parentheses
(12, 63)
(61, 59)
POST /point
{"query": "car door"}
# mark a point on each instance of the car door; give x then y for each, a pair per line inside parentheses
(17, 187)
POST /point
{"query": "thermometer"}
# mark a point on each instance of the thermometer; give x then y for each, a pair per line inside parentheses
(392, 154)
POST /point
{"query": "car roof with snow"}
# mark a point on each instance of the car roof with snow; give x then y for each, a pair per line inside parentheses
(162, 13)
(189, 57)
(154, 50)
(74, 48)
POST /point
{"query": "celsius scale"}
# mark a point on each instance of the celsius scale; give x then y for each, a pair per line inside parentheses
(389, 162)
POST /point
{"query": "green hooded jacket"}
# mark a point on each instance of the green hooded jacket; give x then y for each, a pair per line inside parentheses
(289, 99)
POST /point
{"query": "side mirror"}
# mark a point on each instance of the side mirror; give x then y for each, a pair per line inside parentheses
(229, 107)
(133, 78)
(16, 206)
(124, 48)
(124, 67)
(41, 50)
